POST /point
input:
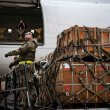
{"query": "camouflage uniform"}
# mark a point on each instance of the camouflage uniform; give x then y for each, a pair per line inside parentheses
(26, 53)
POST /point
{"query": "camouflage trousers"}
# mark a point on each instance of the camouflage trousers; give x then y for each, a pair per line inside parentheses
(25, 73)
(23, 70)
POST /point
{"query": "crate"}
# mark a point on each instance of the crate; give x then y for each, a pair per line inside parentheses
(95, 40)
(81, 85)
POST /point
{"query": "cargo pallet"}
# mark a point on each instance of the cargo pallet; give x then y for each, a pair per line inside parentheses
(79, 70)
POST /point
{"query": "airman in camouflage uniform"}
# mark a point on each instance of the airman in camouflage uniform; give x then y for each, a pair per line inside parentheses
(26, 51)
(26, 55)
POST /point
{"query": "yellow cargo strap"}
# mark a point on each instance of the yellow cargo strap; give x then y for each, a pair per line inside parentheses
(25, 62)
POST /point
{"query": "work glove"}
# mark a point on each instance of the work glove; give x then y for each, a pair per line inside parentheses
(6, 55)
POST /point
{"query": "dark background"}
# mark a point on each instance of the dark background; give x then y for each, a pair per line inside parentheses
(10, 17)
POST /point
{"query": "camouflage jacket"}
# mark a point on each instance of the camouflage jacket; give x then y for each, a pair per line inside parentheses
(26, 51)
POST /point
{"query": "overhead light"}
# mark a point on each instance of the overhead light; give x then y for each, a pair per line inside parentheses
(32, 31)
(38, 3)
(9, 30)
(38, 6)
